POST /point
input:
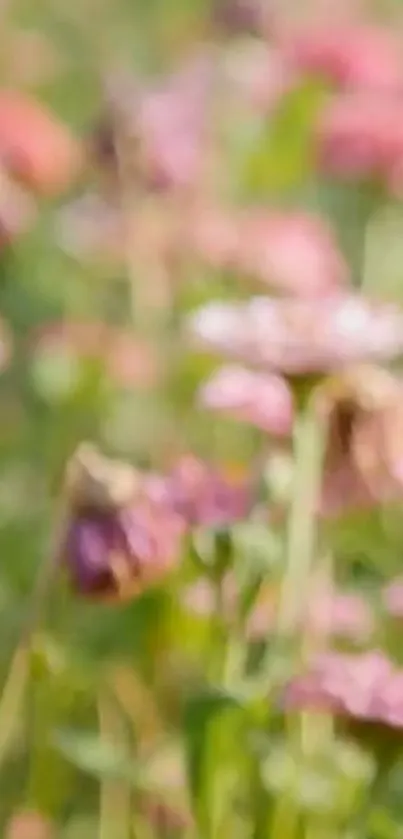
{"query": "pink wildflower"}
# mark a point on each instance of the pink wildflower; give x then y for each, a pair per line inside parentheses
(299, 336)
(367, 687)
(260, 399)
(349, 56)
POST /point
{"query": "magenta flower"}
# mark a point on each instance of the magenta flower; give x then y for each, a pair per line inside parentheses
(259, 399)
(361, 137)
(367, 687)
(203, 495)
(349, 56)
(299, 336)
(117, 555)
(200, 493)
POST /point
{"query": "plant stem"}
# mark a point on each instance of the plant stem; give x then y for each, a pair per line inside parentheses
(115, 796)
(309, 446)
(12, 696)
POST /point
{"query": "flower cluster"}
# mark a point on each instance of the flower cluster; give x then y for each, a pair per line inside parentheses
(368, 687)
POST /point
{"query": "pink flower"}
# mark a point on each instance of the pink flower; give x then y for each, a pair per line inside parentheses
(204, 495)
(331, 613)
(349, 56)
(35, 147)
(259, 399)
(300, 336)
(291, 252)
(172, 126)
(367, 687)
(362, 137)
(201, 493)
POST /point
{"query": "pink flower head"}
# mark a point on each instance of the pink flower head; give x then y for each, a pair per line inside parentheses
(349, 56)
(203, 495)
(330, 613)
(35, 147)
(260, 399)
(292, 252)
(300, 336)
(171, 123)
(362, 137)
(368, 687)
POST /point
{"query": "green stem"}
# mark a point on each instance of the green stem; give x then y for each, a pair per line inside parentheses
(12, 697)
(309, 446)
(115, 796)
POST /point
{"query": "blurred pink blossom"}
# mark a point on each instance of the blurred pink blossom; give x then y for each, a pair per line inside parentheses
(361, 136)
(368, 687)
(172, 124)
(204, 495)
(201, 493)
(365, 57)
(300, 336)
(260, 399)
(292, 252)
(330, 612)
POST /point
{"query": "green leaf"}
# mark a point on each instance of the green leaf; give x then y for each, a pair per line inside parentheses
(211, 727)
(283, 158)
(95, 756)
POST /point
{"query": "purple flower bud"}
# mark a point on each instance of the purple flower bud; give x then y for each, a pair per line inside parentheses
(118, 554)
